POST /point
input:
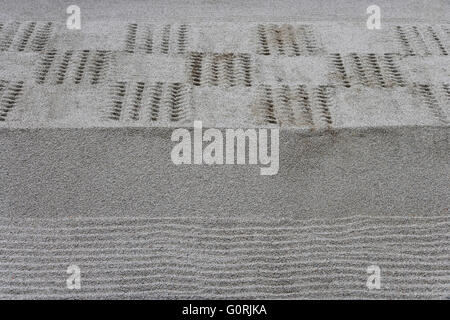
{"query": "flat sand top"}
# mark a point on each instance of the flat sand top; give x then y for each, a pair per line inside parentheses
(303, 65)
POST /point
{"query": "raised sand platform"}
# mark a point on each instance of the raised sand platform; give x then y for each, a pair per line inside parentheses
(86, 178)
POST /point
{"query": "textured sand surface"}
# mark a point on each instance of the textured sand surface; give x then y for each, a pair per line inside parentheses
(130, 257)
(86, 176)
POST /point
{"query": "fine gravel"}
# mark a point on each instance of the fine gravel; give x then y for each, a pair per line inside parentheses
(86, 177)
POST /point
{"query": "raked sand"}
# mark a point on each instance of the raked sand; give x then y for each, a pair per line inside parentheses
(86, 118)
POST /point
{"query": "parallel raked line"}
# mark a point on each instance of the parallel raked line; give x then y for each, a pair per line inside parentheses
(282, 226)
(328, 261)
(176, 294)
(184, 229)
(372, 254)
(182, 219)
